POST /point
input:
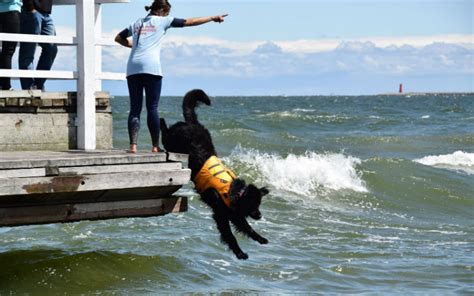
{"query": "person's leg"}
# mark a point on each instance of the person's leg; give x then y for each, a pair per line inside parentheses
(30, 23)
(153, 93)
(9, 23)
(48, 50)
(135, 90)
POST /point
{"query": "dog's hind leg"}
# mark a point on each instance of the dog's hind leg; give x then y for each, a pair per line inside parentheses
(221, 216)
(243, 226)
(227, 236)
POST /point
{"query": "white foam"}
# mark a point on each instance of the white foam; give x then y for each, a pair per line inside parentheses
(458, 161)
(304, 110)
(303, 174)
(83, 235)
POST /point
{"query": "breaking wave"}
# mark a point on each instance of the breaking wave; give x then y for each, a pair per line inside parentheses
(457, 161)
(301, 174)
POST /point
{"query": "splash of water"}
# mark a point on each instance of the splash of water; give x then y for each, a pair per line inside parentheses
(302, 174)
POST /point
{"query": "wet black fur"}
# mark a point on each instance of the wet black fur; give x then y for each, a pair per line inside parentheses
(191, 137)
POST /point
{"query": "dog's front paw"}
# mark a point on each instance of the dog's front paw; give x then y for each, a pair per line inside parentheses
(242, 256)
(262, 240)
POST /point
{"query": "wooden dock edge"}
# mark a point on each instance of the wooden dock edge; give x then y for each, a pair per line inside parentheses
(73, 212)
(59, 187)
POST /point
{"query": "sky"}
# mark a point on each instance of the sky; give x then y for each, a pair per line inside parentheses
(298, 47)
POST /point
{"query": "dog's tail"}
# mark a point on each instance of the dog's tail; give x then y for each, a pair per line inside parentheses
(191, 100)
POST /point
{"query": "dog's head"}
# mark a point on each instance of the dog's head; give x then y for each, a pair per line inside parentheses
(247, 199)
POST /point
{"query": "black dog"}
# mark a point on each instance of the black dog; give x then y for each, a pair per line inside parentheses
(229, 197)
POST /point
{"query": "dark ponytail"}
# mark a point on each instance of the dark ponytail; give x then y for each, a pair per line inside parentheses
(158, 5)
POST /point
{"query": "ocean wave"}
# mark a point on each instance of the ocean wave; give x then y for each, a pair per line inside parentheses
(304, 110)
(457, 161)
(238, 131)
(306, 115)
(302, 174)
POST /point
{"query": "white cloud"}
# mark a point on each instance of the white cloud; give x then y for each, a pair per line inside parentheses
(370, 61)
(445, 60)
(210, 57)
(321, 45)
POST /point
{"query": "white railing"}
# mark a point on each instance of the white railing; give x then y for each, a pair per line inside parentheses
(66, 40)
(89, 73)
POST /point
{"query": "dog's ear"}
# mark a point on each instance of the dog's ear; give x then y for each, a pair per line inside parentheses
(264, 191)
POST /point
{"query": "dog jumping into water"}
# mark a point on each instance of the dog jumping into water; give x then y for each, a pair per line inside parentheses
(230, 198)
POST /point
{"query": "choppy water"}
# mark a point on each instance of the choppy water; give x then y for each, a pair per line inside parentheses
(368, 195)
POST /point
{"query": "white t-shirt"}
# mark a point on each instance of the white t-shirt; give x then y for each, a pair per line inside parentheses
(148, 34)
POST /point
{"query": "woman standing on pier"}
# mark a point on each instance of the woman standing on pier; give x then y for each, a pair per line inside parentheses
(36, 20)
(9, 23)
(144, 66)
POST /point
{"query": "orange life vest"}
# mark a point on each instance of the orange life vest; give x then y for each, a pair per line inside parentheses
(214, 174)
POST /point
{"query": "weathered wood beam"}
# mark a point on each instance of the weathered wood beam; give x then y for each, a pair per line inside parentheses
(107, 169)
(36, 159)
(91, 211)
(79, 183)
(22, 173)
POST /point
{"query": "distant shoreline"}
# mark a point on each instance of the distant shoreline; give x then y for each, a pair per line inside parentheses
(427, 93)
(334, 95)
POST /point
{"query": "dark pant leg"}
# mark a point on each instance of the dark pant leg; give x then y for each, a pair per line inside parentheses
(135, 90)
(30, 24)
(9, 23)
(153, 93)
(48, 50)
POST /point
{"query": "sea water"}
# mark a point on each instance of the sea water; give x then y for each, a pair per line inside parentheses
(368, 194)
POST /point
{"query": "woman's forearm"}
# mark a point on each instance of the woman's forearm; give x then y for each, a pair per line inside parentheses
(196, 21)
(123, 42)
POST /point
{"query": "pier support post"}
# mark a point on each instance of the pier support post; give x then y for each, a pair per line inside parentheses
(86, 122)
(98, 49)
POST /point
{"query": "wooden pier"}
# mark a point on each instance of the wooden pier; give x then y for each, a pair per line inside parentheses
(48, 187)
(43, 179)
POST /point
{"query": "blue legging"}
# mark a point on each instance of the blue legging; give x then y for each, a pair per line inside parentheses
(152, 86)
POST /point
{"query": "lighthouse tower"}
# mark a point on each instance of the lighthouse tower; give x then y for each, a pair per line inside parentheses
(400, 89)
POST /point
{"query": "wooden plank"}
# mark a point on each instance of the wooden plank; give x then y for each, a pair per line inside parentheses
(57, 198)
(80, 183)
(106, 169)
(91, 211)
(21, 173)
(73, 2)
(62, 40)
(37, 93)
(38, 74)
(72, 158)
(66, 75)
(86, 125)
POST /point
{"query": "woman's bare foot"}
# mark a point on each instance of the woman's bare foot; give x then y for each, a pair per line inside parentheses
(133, 149)
(156, 149)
